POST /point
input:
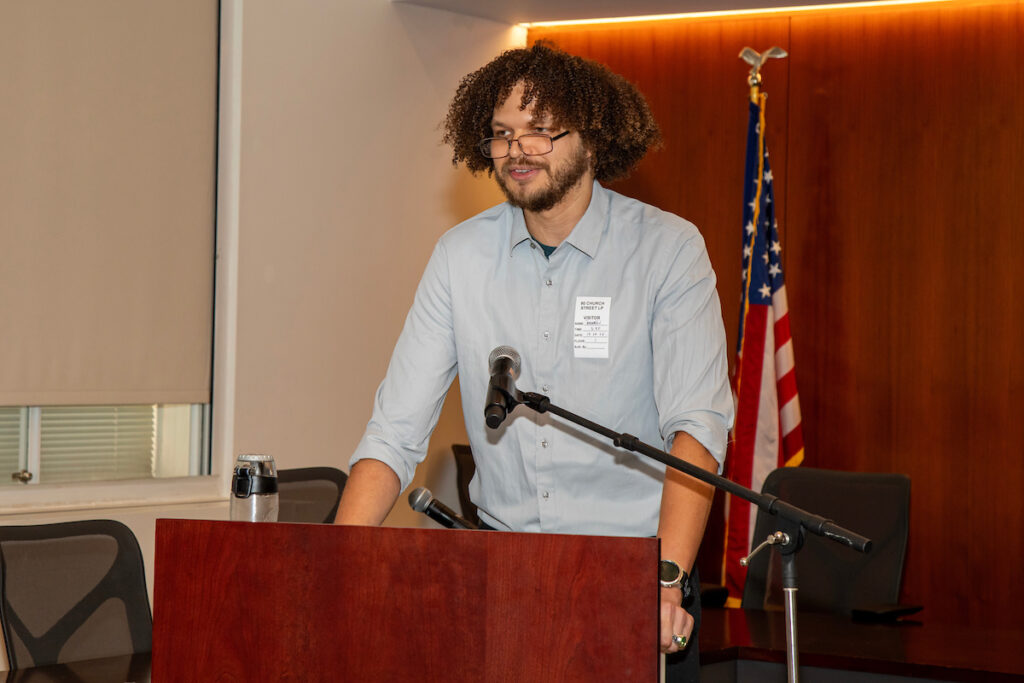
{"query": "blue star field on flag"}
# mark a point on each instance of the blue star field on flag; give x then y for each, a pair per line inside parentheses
(761, 242)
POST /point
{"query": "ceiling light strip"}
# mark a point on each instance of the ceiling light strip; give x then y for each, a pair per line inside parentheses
(728, 13)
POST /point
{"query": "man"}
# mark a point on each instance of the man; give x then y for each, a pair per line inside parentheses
(611, 304)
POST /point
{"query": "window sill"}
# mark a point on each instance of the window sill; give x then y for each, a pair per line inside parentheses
(20, 500)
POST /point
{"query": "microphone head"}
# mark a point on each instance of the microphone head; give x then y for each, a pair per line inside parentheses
(506, 352)
(420, 499)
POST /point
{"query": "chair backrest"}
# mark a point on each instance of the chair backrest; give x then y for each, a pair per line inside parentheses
(465, 468)
(830, 576)
(72, 591)
(309, 494)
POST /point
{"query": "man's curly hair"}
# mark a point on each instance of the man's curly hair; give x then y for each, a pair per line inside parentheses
(608, 112)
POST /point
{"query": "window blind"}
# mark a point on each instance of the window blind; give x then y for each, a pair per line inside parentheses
(10, 443)
(95, 443)
(107, 206)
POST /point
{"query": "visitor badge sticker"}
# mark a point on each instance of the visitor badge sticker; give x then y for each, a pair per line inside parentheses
(591, 326)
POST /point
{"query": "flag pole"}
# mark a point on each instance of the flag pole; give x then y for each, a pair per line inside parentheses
(755, 60)
(782, 540)
(754, 81)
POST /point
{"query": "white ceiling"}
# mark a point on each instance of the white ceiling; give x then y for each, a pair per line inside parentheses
(522, 11)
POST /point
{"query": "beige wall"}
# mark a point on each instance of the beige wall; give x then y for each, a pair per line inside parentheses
(344, 188)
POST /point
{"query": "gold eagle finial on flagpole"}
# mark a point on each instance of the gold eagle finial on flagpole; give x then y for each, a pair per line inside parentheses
(756, 60)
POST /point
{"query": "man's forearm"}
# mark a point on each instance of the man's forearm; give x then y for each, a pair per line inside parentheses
(685, 504)
(370, 493)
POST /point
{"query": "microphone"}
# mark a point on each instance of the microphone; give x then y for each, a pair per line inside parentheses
(504, 367)
(422, 500)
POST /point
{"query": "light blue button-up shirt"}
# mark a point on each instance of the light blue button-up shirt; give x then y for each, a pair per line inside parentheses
(488, 284)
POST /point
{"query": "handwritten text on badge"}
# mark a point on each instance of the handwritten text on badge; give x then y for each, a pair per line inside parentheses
(591, 326)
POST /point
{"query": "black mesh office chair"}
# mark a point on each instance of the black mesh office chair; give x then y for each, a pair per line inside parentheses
(830, 576)
(309, 494)
(72, 591)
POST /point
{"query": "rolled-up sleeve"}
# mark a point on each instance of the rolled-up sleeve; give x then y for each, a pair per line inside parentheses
(691, 370)
(408, 402)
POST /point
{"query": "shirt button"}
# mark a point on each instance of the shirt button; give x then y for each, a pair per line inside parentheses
(533, 245)
(545, 495)
(547, 282)
(546, 335)
(543, 443)
(545, 388)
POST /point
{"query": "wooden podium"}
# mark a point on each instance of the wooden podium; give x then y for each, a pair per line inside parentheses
(238, 601)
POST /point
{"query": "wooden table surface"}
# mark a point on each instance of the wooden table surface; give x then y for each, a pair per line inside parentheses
(918, 646)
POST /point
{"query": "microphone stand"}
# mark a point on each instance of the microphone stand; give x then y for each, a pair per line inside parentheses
(793, 521)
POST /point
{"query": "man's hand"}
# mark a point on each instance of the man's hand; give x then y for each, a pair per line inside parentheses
(675, 621)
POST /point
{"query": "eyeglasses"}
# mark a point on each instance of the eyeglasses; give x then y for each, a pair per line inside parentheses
(531, 145)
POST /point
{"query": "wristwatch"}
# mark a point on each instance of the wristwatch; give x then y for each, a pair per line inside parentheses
(670, 575)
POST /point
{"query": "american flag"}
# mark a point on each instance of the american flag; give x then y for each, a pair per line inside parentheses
(767, 434)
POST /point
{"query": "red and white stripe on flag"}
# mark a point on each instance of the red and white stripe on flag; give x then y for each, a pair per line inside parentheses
(767, 433)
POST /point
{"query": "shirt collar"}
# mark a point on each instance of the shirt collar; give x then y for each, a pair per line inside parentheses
(586, 236)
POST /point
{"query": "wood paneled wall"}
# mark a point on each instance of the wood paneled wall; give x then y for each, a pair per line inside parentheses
(897, 148)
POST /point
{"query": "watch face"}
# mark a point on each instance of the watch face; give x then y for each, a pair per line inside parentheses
(668, 571)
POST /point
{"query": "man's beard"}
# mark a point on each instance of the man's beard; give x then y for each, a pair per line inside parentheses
(561, 182)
